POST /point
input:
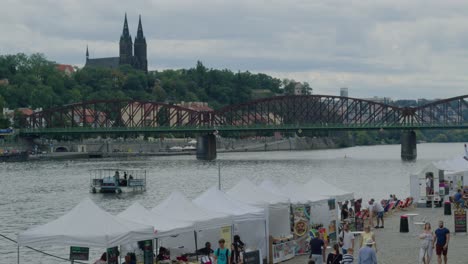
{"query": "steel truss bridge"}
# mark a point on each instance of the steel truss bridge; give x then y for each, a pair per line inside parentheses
(281, 113)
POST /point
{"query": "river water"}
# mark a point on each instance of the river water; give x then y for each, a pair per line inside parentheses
(34, 193)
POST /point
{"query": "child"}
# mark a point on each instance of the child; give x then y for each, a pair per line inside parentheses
(348, 257)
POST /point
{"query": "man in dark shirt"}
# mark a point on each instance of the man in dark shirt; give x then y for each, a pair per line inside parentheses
(344, 211)
(206, 250)
(317, 249)
(441, 242)
(458, 198)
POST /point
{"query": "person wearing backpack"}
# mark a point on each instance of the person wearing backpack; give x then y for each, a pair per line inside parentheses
(222, 255)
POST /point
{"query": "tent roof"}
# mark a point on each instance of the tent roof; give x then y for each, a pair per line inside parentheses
(248, 192)
(293, 191)
(455, 165)
(178, 207)
(320, 187)
(163, 225)
(86, 225)
(218, 201)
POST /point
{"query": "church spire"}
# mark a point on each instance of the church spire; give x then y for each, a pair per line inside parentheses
(140, 29)
(87, 53)
(125, 32)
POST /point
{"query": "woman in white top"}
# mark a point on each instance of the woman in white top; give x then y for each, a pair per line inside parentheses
(427, 239)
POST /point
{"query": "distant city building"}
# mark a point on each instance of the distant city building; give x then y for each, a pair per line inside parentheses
(197, 106)
(382, 100)
(133, 54)
(25, 111)
(344, 92)
(65, 68)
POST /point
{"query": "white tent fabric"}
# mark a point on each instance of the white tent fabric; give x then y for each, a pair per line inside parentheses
(456, 165)
(278, 205)
(86, 225)
(179, 208)
(249, 221)
(320, 187)
(163, 226)
(218, 201)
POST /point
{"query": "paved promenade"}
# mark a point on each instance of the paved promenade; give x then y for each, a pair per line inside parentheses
(403, 248)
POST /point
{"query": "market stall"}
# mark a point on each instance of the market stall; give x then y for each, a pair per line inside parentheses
(320, 187)
(249, 221)
(86, 225)
(277, 208)
(208, 224)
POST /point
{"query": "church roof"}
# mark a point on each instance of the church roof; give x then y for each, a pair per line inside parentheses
(111, 62)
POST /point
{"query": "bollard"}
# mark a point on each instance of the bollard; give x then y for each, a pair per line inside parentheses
(404, 224)
(447, 208)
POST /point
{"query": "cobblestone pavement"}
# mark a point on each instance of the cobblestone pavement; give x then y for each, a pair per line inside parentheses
(403, 248)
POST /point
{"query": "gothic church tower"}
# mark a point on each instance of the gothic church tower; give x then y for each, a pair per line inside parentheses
(141, 61)
(126, 45)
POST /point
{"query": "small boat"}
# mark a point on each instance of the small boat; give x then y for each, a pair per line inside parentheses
(117, 181)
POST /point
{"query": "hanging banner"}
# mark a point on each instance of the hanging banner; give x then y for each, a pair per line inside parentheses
(300, 215)
(113, 255)
(459, 217)
(79, 253)
(147, 248)
(284, 251)
(226, 235)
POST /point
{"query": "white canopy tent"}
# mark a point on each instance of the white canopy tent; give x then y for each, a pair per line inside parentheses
(278, 205)
(249, 221)
(163, 226)
(323, 188)
(453, 170)
(207, 223)
(86, 225)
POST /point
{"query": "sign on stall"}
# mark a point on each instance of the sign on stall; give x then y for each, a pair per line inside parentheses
(79, 253)
(252, 257)
(226, 234)
(460, 221)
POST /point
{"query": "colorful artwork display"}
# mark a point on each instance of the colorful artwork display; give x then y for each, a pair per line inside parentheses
(300, 218)
(284, 251)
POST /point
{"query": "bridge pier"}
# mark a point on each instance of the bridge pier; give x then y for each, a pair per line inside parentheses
(408, 145)
(206, 147)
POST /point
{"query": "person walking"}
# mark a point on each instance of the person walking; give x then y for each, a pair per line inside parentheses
(222, 254)
(427, 240)
(335, 257)
(346, 239)
(441, 242)
(367, 254)
(317, 249)
(378, 209)
(368, 234)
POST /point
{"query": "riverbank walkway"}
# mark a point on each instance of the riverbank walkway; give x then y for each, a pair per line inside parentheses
(403, 248)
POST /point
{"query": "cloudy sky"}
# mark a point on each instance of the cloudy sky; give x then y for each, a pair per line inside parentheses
(397, 48)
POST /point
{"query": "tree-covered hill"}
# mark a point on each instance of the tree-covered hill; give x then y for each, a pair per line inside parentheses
(33, 81)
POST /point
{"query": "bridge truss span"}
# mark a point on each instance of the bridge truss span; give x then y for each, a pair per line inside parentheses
(118, 114)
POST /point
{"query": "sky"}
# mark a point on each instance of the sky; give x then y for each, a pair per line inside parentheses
(403, 49)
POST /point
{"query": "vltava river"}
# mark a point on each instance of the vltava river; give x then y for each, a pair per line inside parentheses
(34, 193)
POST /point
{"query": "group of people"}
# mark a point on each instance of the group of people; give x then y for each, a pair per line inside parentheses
(367, 251)
(374, 208)
(124, 181)
(438, 240)
(223, 255)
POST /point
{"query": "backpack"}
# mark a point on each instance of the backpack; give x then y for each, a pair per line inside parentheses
(227, 253)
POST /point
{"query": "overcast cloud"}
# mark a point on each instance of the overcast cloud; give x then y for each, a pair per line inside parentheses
(398, 48)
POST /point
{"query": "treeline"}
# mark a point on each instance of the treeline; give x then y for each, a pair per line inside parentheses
(35, 82)
(393, 137)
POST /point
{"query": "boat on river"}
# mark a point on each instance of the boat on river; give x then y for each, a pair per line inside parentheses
(117, 181)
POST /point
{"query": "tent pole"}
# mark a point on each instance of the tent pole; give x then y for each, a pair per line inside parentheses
(196, 242)
(18, 252)
(219, 176)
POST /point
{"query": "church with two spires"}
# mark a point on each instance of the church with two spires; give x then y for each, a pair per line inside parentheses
(133, 54)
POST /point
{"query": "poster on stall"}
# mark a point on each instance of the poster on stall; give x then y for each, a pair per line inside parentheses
(226, 235)
(333, 217)
(300, 215)
(284, 251)
(113, 255)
